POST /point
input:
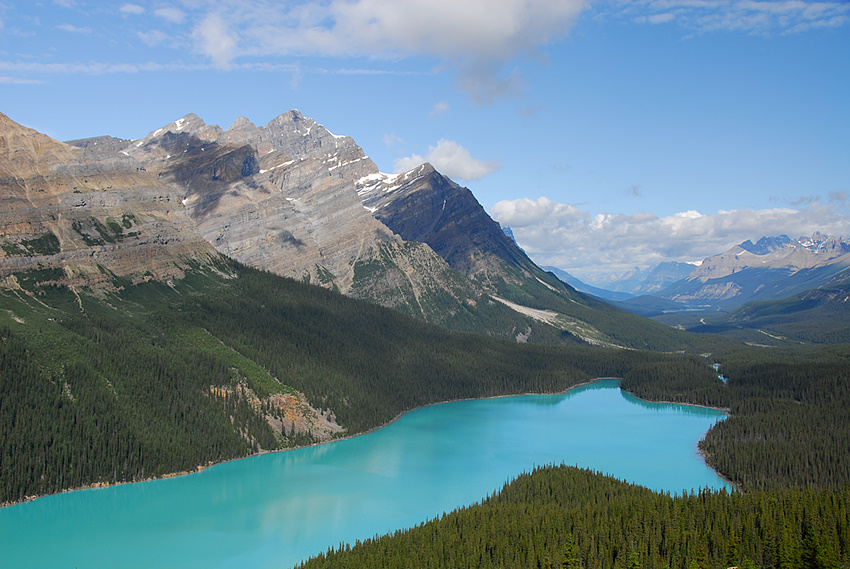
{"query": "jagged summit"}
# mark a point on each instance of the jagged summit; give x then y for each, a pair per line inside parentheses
(241, 123)
(772, 268)
(766, 245)
(189, 125)
(295, 199)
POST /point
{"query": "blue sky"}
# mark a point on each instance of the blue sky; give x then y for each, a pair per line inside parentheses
(607, 134)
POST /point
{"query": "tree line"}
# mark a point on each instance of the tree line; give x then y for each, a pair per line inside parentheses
(574, 518)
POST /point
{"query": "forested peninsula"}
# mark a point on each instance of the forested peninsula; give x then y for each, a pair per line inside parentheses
(784, 446)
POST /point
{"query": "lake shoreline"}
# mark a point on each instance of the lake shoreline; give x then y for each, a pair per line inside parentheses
(209, 464)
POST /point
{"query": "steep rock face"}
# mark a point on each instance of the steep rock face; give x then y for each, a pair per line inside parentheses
(83, 222)
(267, 196)
(423, 205)
(282, 198)
(295, 199)
(98, 148)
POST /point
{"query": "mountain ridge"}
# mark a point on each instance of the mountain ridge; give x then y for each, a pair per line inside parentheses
(80, 222)
(772, 268)
(293, 198)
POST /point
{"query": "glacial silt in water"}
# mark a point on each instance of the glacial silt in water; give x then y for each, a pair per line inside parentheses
(277, 509)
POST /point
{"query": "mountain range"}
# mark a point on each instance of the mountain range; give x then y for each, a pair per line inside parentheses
(771, 268)
(184, 299)
(776, 289)
(297, 200)
(635, 282)
(291, 198)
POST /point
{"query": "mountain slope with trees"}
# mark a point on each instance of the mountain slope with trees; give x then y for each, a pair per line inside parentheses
(157, 377)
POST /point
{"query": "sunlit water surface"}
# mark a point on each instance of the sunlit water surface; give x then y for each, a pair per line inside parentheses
(278, 509)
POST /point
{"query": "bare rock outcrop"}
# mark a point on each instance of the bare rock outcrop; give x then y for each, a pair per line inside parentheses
(87, 221)
(283, 198)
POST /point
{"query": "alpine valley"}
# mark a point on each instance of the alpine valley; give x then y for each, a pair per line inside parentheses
(172, 281)
(201, 294)
(775, 291)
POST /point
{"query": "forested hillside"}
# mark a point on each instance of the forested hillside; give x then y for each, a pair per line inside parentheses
(157, 378)
(789, 423)
(165, 377)
(572, 518)
(785, 445)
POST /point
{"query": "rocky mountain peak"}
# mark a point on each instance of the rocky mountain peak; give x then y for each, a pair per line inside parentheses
(825, 244)
(25, 153)
(241, 123)
(767, 245)
(87, 221)
(183, 128)
(284, 198)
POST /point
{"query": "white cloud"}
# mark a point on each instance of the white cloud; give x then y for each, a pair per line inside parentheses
(450, 159)
(214, 39)
(134, 9)
(476, 37)
(567, 237)
(439, 109)
(172, 15)
(153, 37)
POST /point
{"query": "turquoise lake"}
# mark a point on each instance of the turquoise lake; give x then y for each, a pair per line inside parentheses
(278, 509)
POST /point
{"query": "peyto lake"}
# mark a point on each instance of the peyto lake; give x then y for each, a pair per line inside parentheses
(278, 509)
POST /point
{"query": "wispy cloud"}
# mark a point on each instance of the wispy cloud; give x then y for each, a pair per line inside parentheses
(214, 38)
(173, 15)
(73, 29)
(840, 197)
(105, 68)
(134, 9)
(18, 81)
(96, 68)
(748, 16)
(439, 109)
(476, 37)
(565, 236)
(153, 37)
(451, 159)
(392, 139)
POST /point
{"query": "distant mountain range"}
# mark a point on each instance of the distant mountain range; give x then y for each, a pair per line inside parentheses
(795, 287)
(637, 282)
(291, 198)
(586, 288)
(770, 269)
